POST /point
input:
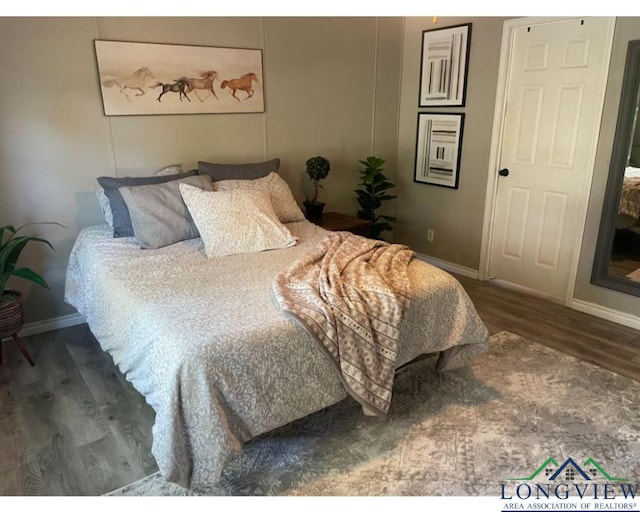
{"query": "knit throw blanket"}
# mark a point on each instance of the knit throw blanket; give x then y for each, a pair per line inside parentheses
(351, 293)
(630, 200)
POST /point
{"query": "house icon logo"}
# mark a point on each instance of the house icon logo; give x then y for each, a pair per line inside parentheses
(554, 481)
(569, 471)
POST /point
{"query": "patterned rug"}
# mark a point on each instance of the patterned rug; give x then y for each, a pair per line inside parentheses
(635, 275)
(455, 434)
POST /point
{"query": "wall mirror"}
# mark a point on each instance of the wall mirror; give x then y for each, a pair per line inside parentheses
(617, 259)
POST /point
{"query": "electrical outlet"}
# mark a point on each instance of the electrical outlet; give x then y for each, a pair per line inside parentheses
(429, 235)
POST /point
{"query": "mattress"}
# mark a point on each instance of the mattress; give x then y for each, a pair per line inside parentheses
(206, 345)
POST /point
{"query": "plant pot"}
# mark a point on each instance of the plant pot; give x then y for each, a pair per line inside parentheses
(12, 320)
(11, 313)
(314, 210)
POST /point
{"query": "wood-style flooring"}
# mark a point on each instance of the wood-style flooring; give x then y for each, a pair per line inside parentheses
(586, 337)
(73, 425)
(622, 267)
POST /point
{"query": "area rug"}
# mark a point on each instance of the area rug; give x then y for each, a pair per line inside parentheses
(460, 433)
(635, 275)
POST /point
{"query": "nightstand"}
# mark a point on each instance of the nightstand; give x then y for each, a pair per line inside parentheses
(334, 221)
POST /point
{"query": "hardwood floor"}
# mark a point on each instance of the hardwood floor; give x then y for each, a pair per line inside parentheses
(73, 425)
(587, 337)
(622, 267)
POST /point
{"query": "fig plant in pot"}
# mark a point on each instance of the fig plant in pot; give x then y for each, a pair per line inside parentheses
(11, 306)
(371, 195)
(318, 168)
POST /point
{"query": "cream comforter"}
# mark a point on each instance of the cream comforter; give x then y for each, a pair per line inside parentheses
(205, 343)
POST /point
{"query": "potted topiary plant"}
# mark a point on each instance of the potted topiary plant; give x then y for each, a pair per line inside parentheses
(11, 306)
(371, 195)
(318, 169)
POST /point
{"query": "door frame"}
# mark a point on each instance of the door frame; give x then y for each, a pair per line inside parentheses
(508, 29)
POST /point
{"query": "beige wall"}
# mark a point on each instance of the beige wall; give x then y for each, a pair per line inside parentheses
(331, 88)
(341, 87)
(333, 91)
(455, 215)
(627, 29)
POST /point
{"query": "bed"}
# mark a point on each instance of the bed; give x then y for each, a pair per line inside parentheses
(204, 342)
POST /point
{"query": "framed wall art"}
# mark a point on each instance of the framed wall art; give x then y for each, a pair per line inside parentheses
(151, 78)
(444, 65)
(438, 149)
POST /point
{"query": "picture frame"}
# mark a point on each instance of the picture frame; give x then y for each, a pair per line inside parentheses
(157, 79)
(439, 149)
(444, 66)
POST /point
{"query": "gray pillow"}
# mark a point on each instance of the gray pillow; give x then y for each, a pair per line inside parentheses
(159, 216)
(121, 219)
(219, 172)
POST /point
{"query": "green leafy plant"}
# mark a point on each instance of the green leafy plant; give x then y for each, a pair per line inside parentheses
(372, 193)
(11, 247)
(318, 168)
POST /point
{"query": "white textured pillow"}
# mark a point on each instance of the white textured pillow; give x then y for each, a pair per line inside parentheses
(235, 221)
(277, 189)
(169, 170)
(105, 205)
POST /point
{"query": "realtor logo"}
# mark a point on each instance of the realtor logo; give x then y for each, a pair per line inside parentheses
(569, 470)
(553, 481)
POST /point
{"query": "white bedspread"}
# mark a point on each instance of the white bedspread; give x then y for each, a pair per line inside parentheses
(205, 343)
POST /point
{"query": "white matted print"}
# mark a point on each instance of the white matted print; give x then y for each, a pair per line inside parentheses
(443, 73)
(149, 78)
(438, 149)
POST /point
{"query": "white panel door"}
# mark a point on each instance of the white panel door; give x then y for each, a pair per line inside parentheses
(554, 90)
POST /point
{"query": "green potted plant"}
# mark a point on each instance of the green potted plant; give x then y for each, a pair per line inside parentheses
(318, 168)
(11, 305)
(372, 193)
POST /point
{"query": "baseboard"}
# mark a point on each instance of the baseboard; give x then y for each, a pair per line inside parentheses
(52, 324)
(526, 291)
(448, 266)
(606, 313)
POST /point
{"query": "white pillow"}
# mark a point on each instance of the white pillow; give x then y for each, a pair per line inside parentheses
(105, 205)
(169, 170)
(235, 221)
(277, 189)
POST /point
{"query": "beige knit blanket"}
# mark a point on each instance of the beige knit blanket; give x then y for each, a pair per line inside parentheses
(351, 294)
(630, 200)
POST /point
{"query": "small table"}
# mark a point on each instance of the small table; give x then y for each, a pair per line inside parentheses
(334, 221)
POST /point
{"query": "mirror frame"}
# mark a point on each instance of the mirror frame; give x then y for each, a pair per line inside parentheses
(621, 143)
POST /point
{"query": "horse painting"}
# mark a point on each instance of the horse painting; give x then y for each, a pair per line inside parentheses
(205, 82)
(243, 83)
(135, 81)
(178, 86)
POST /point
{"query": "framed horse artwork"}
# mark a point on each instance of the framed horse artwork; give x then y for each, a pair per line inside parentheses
(154, 78)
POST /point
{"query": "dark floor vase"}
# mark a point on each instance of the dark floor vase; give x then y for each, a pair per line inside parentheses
(12, 320)
(314, 210)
